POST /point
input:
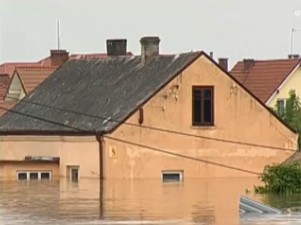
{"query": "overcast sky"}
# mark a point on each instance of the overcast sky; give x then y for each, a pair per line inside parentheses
(230, 28)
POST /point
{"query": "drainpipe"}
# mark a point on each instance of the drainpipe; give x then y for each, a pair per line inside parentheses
(100, 140)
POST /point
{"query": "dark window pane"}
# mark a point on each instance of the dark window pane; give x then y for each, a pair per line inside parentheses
(207, 111)
(197, 93)
(281, 107)
(197, 106)
(45, 176)
(167, 177)
(22, 176)
(74, 175)
(33, 176)
(202, 106)
(208, 93)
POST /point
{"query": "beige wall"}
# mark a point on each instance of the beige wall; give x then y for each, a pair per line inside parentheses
(238, 117)
(293, 82)
(73, 151)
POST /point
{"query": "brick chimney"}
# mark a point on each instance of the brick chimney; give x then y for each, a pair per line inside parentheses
(116, 47)
(293, 56)
(149, 47)
(248, 64)
(223, 63)
(58, 57)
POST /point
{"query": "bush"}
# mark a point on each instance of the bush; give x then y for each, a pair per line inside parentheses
(280, 178)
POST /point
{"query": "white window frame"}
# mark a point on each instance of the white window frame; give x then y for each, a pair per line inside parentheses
(69, 169)
(38, 172)
(180, 172)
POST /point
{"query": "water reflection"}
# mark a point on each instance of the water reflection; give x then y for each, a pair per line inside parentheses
(201, 201)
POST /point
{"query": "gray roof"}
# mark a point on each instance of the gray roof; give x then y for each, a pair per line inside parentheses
(93, 96)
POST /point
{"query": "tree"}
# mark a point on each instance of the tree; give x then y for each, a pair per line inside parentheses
(280, 178)
(292, 113)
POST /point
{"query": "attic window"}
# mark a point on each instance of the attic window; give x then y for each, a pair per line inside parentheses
(202, 106)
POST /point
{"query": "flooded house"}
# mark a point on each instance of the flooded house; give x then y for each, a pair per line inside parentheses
(169, 117)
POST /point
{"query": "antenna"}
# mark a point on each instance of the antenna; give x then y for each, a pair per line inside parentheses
(58, 34)
(293, 31)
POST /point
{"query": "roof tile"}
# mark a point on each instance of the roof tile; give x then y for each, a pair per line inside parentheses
(32, 76)
(265, 76)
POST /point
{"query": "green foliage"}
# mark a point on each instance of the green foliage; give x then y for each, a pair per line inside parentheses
(292, 113)
(280, 178)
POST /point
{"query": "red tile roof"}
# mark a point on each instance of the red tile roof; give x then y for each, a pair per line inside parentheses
(32, 76)
(265, 76)
(5, 106)
(4, 82)
(9, 68)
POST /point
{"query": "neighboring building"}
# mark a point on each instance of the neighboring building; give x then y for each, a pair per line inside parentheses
(270, 80)
(9, 68)
(22, 77)
(4, 82)
(25, 79)
(150, 116)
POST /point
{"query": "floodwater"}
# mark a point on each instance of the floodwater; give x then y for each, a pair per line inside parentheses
(140, 202)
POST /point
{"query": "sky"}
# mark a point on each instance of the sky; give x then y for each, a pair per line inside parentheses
(235, 29)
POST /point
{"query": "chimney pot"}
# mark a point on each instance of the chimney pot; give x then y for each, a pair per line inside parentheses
(149, 47)
(116, 47)
(293, 56)
(248, 64)
(223, 62)
(58, 57)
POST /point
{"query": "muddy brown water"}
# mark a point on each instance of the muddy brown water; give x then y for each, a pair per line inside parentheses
(139, 202)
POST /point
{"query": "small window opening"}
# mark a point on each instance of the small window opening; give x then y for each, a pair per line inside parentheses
(22, 176)
(172, 176)
(33, 176)
(45, 176)
(74, 174)
(281, 104)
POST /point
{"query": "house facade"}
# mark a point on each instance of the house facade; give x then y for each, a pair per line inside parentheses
(169, 117)
(270, 80)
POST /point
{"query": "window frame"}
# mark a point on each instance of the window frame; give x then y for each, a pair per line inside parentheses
(284, 104)
(203, 123)
(180, 173)
(39, 172)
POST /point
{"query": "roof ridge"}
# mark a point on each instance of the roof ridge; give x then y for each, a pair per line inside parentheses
(36, 67)
(271, 60)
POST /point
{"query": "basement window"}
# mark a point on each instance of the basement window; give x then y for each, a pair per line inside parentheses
(34, 175)
(172, 176)
(45, 176)
(22, 176)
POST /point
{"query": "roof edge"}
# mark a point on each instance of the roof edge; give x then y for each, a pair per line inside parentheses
(48, 133)
(180, 70)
